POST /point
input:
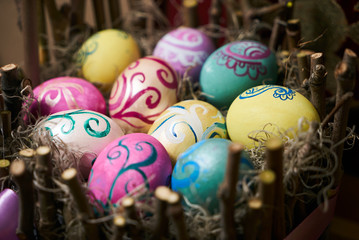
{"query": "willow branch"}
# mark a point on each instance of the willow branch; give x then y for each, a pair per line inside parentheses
(115, 13)
(253, 219)
(135, 229)
(119, 227)
(175, 211)
(161, 226)
(317, 88)
(190, 16)
(99, 14)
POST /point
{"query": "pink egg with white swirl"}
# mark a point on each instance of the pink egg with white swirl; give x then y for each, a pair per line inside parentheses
(142, 92)
(131, 163)
(65, 93)
(185, 48)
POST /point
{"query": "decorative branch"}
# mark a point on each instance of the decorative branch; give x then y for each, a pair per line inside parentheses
(23, 180)
(4, 173)
(303, 66)
(99, 14)
(345, 74)
(317, 88)
(43, 177)
(253, 219)
(161, 227)
(190, 16)
(227, 191)
(266, 192)
(58, 23)
(293, 34)
(119, 227)
(31, 41)
(77, 13)
(69, 176)
(315, 59)
(135, 229)
(44, 55)
(175, 211)
(6, 125)
(274, 161)
(115, 13)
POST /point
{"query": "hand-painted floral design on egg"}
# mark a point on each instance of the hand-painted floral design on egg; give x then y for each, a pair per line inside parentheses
(142, 92)
(65, 93)
(184, 48)
(83, 131)
(128, 163)
(186, 123)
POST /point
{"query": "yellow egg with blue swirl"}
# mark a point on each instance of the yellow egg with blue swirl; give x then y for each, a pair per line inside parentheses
(276, 109)
(200, 170)
(186, 123)
(105, 55)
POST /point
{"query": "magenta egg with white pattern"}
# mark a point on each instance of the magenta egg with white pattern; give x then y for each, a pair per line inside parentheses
(65, 93)
(184, 48)
(142, 92)
(127, 165)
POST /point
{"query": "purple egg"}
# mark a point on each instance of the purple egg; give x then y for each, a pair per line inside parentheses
(9, 213)
(183, 48)
(65, 93)
(133, 161)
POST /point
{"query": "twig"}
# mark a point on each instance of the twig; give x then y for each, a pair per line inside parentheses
(253, 219)
(274, 161)
(99, 14)
(69, 176)
(190, 16)
(134, 230)
(6, 125)
(115, 13)
(58, 23)
(175, 211)
(303, 66)
(23, 179)
(161, 227)
(266, 191)
(343, 100)
(293, 34)
(4, 173)
(119, 230)
(44, 56)
(345, 74)
(47, 207)
(215, 11)
(317, 88)
(227, 191)
(31, 41)
(77, 14)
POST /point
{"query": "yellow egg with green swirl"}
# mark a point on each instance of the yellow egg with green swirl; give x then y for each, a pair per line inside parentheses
(275, 109)
(105, 55)
(185, 123)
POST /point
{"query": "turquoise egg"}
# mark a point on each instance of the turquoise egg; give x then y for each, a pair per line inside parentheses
(234, 68)
(200, 170)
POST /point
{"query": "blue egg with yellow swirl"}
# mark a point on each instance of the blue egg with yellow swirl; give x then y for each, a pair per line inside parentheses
(235, 67)
(200, 170)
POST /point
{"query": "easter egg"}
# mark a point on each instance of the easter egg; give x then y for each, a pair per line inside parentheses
(184, 48)
(9, 212)
(141, 93)
(65, 93)
(234, 68)
(186, 123)
(83, 131)
(132, 161)
(200, 170)
(269, 107)
(105, 55)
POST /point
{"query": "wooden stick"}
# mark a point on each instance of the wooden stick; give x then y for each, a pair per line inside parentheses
(274, 161)
(6, 124)
(345, 74)
(115, 13)
(23, 179)
(69, 176)
(215, 12)
(27, 155)
(190, 18)
(293, 34)
(134, 230)
(343, 100)
(303, 66)
(161, 227)
(44, 55)
(119, 227)
(227, 191)
(317, 88)
(58, 23)
(31, 41)
(4, 172)
(315, 59)
(266, 191)
(253, 219)
(13, 81)
(47, 207)
(77, 14)
(175, 211)
(99, 14)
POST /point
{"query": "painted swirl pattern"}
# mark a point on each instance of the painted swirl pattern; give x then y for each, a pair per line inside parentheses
(141, 93)
(280, 92)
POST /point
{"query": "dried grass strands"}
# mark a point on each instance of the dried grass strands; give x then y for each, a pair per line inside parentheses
(345, 74)
(31, 41)
(227, 191)
(23, 178)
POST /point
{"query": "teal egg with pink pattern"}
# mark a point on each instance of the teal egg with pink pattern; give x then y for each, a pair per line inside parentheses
(200, 170)
(128, 164)
(234, 68)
